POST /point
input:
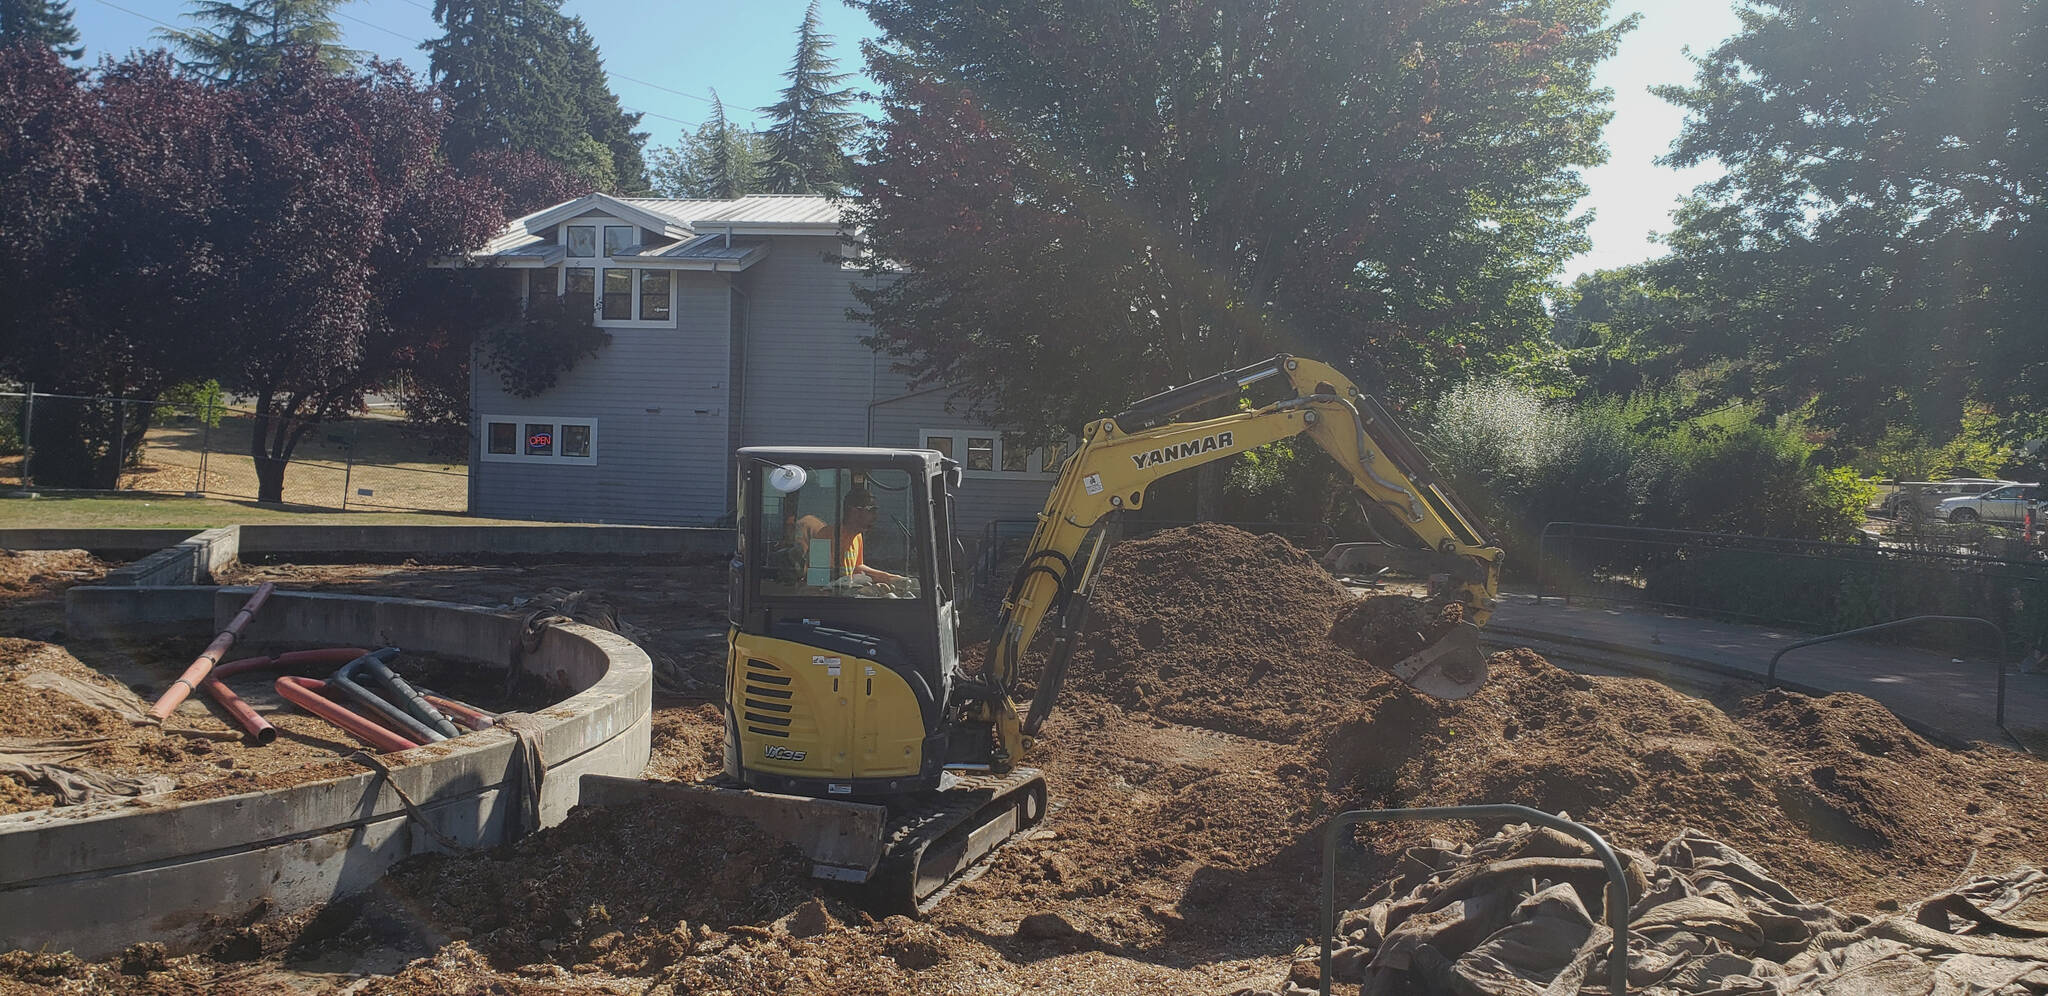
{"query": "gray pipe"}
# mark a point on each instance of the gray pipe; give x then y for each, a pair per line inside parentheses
(409, 698)
(344, 679)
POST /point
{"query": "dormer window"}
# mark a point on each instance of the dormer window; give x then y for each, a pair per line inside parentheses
(619, 238)
(582, 241)
(618, 286)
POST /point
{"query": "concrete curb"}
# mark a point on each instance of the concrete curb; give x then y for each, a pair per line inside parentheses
(191, 561)
(95, 879)
(314, 543)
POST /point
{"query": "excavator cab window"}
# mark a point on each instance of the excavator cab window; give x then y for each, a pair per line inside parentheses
(841, 532)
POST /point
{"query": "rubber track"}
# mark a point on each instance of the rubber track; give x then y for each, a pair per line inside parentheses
(931, 817)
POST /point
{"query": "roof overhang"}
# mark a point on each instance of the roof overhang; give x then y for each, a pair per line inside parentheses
(541, 221)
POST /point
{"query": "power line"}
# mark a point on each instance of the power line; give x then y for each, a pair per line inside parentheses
(139, 14)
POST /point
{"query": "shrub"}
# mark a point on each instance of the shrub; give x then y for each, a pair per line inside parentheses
(1738, 476)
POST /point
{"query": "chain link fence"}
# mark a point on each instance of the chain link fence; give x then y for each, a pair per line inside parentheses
(372, 461)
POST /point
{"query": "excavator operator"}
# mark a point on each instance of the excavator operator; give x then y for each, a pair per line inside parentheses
(857, 513)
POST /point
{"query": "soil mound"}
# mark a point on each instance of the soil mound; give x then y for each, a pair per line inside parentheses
(1216, 628)
(1827, 789)
(1212, 626)
(570, 890)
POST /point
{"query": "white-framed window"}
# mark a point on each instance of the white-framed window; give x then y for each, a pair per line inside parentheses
(620, 295)
(988, 453)
(540, 439)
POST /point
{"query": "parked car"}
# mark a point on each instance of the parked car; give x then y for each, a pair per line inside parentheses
(1925, 497)
(2006, 506)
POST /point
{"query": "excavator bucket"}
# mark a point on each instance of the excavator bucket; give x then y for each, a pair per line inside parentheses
(1451, 668)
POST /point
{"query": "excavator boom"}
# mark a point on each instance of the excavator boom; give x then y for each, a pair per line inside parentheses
(1120, 457)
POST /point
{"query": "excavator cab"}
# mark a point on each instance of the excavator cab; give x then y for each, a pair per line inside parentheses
(842, 598)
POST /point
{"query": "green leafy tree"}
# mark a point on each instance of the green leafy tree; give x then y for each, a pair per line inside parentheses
(40, 22)
(237, 42)
(1625, 331)
(603, 119)
(1876, 244)
(809, 128)
(519, 74)
(1092, 200)
(717, 161)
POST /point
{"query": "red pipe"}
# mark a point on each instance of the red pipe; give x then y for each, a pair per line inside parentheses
(305, 693)
(251, 721)
(203, 664)
(470, 715)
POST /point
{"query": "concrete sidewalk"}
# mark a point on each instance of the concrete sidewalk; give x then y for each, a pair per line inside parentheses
(1955, 697)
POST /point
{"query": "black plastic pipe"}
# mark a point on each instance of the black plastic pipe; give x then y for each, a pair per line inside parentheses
(409, 698)
(344, 679)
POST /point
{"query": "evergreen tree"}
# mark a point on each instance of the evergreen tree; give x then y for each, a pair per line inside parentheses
(718, 162)
(810, 127)
(519, 74)
(603, 119)
(39, 22)
(238, 42)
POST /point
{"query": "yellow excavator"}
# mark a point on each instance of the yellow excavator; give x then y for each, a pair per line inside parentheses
(854, 732)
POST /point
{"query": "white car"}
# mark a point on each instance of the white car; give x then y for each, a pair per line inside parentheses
(2005, 506)
(1912, 499)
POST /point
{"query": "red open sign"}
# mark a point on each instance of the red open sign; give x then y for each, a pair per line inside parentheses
(540, 440)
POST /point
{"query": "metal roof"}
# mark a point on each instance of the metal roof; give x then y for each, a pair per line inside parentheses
(718, 246)
(791, 210)
(706, 227)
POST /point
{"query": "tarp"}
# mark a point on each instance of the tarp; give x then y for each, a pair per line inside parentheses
(1520, 914)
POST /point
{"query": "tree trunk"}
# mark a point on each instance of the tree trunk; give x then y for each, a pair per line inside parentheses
(269, 479)
(83, 443)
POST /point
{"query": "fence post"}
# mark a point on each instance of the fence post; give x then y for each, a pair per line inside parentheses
(28, 431)
(348, 470)
(206, 417)
(120, 439)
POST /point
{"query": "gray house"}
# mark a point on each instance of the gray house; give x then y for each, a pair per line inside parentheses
(729, 328)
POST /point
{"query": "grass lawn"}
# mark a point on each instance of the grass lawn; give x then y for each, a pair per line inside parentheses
(161, 512)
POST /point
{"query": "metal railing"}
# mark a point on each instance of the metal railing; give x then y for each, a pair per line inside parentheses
(1997, 660)
(1617, 880)
(1808, 584)
(87, 444)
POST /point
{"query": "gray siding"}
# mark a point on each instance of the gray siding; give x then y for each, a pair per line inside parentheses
(982, 498)
(763, 357)
(660, 398)
(808, 378)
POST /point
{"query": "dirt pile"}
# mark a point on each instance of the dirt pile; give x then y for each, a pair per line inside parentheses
(1780, 775)
(1219, 629)
(23, 571)
(1213, 626)
(668, 896)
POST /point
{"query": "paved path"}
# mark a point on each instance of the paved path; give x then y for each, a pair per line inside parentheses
(1957, 697)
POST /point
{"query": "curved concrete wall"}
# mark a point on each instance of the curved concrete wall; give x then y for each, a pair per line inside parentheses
(96, 879)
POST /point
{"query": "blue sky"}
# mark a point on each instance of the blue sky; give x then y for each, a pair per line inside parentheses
(667, 57)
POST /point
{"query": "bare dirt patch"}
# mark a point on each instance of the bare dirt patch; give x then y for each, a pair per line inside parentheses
(199, 747)
(1209, 728)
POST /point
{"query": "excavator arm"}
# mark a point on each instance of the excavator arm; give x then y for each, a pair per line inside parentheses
(1120, 457)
